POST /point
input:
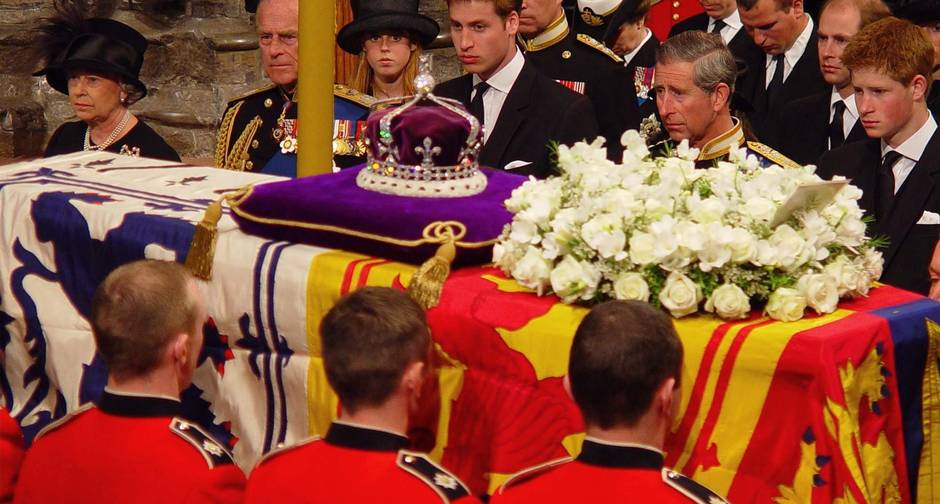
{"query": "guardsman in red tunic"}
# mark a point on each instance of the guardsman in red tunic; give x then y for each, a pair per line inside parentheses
(377, 353)
(623, 373)
(11, 454)
(147, 319)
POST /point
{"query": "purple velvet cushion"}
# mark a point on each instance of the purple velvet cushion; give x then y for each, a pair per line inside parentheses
(335, 200)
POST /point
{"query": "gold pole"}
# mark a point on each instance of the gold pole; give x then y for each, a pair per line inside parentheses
(315, 87)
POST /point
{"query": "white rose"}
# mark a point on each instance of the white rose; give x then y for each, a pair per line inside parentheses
(851, 232)
(844, 272)
(821, 292)
(631, 286)
(786, 305)
(604, 234)
(874, 263)
(862, 282)
(761, 209)
(729, 302)
(680, 295)
(790, 248)
(642, 247)
(573, 279)
(743, 246)
(690, 235)
(707, 210)
(533, 270)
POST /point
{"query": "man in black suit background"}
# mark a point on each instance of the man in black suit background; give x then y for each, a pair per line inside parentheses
(815, 124)
(721, 17)
(898, 169)
(582, 64)
(520, 109)
(790, 68)
(628, 36)
(926, 14)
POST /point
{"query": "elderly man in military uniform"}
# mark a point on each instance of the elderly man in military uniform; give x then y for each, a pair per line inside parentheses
(695, 74)
(582, 64)
(259, 130)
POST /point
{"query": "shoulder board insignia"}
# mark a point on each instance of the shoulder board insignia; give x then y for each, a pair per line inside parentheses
(64, 420)
(443, 482)
(282, 448)
(214, 453)
(253, 92)
(531, 472)
(772, 155)
(590, 42)
(691, 489)
(352, 95)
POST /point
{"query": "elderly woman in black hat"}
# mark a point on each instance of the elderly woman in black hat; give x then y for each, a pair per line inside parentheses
(96, 62)
(388, 35)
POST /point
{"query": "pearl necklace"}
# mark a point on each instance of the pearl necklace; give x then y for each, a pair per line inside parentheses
(111, 138)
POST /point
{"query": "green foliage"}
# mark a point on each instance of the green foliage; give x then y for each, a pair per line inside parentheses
(655, 279)
(707, 281)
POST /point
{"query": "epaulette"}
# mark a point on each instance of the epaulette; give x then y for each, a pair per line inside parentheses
(352, 95)
(531, 472)
(253, 92)
(695, 491)
(439, 479)
(591, 42)
(281, 448)
(772, 155)
(62, 421)
(214, 453)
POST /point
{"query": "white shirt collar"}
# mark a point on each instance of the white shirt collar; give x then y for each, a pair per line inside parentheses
(850, 105)
(733, 20)
(629, 56)
(795, 52)
(503, 79)
(914, 147)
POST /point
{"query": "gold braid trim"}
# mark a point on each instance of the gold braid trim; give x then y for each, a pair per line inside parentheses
(432, 233)
(773, 155)
(225, 135)
(594, 44)
(238, 157)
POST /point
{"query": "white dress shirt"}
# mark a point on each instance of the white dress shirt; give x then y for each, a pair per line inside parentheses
(910, 151)
(732, 26)
(629, 56)
(494, 97)
(792, 55)
(849, 117)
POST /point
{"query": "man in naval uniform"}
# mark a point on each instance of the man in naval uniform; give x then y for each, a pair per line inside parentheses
(623, 374)
(582, 64)
(258, 131)
(700, 69)
(132, 446)
(377, 353)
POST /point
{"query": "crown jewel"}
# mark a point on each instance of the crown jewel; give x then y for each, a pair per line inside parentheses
(427, 146)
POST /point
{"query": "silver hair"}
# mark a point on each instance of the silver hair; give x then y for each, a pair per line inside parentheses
(712, 61)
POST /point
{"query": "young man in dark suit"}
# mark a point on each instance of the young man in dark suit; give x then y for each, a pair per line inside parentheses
(522, 111)
(824, 121)
(790, 68)
(582, 64)
(898, 169)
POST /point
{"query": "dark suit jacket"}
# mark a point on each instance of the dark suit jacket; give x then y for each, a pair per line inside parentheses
(537, 111)
(803, 126)
(645, 57)
(805, 79)
(911, 245)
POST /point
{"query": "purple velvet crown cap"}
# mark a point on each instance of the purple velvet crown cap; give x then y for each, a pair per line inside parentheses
(411, 129)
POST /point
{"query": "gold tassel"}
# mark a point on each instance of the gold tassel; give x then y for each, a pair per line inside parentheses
(202, 248)
(428, 282)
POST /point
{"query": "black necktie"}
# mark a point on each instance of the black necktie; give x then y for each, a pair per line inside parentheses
(836, 133)
(776, 83)
(886, 185)
(476, 104)
(718, 26)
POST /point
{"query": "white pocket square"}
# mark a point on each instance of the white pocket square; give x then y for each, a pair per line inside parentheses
(512, 165)
(929, 218)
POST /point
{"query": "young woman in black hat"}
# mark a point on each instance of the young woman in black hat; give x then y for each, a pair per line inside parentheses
(96, 62)
(388, 36)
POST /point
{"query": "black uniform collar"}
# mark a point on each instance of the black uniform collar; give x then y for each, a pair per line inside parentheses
(635, 456)
(364, 438)
(140, 406)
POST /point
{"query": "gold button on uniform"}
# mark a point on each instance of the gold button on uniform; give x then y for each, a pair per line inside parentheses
(675, 4)
(268, 102)
(675, 17)
(566, 54)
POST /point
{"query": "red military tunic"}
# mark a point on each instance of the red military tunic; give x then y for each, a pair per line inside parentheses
(663, 14)
(353, 464)
(128, 449)
(11, 454)
(605, 472)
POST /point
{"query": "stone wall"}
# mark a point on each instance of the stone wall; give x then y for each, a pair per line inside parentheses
(202, 53)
